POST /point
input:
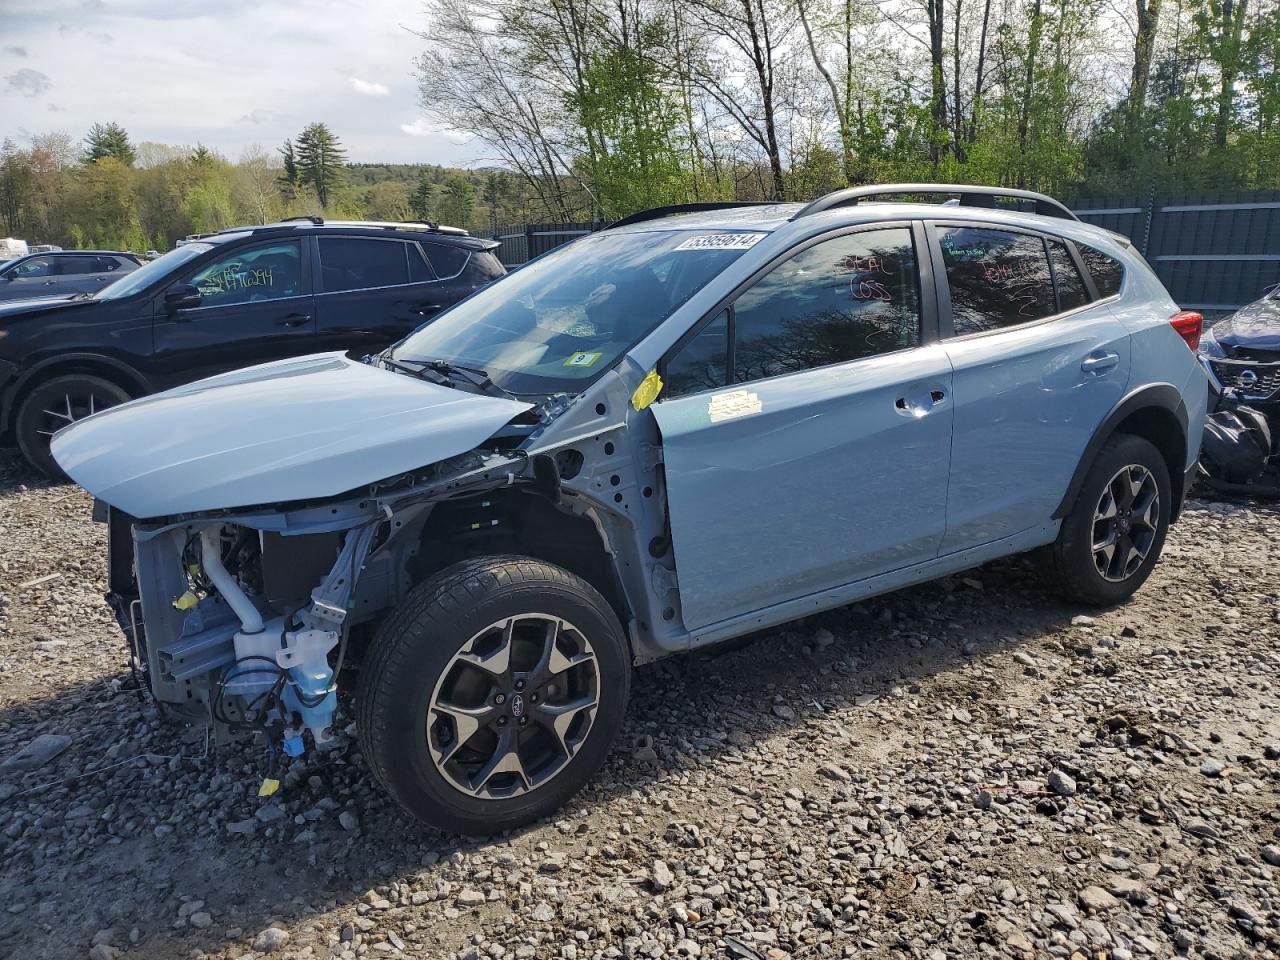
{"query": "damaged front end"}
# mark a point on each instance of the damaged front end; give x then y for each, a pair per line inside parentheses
(243, 617)
(234, 618)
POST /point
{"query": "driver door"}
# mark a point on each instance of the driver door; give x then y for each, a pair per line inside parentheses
(255, 306)
(806, 429)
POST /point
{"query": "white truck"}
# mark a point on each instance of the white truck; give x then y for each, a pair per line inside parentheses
(11, 248)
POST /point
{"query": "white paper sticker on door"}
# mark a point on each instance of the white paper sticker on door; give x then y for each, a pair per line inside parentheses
(735, 403)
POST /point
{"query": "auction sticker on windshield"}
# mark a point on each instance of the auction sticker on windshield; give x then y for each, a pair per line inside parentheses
(722, 241)
(583, 359)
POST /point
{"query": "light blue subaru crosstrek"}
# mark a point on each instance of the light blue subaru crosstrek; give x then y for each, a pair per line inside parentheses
(700, 422)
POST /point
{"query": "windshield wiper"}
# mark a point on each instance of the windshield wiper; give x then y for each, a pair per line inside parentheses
(447, 371)
(81, 296)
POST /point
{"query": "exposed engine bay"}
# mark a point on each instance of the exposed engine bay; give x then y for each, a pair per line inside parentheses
(244, 618)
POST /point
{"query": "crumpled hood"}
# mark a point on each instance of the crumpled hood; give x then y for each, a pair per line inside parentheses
(291, 430)
(1255, 325)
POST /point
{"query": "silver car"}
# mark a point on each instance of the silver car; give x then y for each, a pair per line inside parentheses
(63, 273)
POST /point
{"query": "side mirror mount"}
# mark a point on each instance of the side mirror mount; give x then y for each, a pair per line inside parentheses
(181, 297)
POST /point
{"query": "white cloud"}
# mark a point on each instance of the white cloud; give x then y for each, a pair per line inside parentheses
(260, 116)
(422, 127)
(368, 87)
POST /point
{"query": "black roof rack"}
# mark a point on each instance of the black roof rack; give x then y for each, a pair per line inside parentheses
(658, 212)
(318, 221)
(971, 195)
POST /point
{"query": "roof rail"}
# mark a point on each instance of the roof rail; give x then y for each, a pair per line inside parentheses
(972, 195)
(658, 212)
(318, 221)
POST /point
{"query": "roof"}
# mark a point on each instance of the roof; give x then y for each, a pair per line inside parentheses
(769, 218)
(68, 253)
(360, 227)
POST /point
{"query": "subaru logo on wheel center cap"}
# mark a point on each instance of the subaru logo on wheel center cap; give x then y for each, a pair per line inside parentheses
(517, 705)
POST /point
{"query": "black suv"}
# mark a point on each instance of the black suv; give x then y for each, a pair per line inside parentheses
(243, 296)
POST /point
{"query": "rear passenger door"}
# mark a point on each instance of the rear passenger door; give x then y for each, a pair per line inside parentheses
(806, 428)
(89, 273)
(372, 292)
(1038, 365)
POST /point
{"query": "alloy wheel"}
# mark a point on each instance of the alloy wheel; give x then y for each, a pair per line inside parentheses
(513, 706)
(71, 406)
(1125, 523)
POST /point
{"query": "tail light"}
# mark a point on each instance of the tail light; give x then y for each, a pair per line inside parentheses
(1188, 324)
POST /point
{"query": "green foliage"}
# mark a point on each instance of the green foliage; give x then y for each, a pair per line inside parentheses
(629, 139)
(320, 160)
(108, 140)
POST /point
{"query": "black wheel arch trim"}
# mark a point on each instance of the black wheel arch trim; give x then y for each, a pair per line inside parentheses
(78, 362)
(1162, 396)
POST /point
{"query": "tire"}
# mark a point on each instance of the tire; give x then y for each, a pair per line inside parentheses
(429, 653)
(55, 404)
(1072, 565)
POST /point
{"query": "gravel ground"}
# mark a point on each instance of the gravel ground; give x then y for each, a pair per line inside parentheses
(963, 769)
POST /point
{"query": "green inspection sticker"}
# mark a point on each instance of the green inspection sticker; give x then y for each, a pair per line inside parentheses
(583, 359)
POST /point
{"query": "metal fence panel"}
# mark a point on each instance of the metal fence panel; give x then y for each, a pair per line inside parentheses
(1214, 251)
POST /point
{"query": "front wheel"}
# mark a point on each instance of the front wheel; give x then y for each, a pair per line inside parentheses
(492, 694)
(55, 404)
(1110, 541)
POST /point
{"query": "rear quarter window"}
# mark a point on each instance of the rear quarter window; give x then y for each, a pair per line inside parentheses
(1107, 272)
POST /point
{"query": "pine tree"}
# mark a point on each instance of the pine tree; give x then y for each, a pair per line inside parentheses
(108, 140)
(320, 161)
(423, 199)
(289, 179)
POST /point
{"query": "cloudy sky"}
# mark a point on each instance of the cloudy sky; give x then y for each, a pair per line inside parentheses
(225, 73)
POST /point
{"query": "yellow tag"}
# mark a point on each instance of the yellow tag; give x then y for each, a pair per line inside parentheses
(268, 787)
(186, 601)
(193, 569)
(648, 390)
(583, 359)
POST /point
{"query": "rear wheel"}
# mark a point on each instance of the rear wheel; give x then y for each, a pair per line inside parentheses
(493, 693)
(55, 404)
(1110, 541)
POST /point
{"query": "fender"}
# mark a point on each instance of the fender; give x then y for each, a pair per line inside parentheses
(74, 360)
(1164, 396)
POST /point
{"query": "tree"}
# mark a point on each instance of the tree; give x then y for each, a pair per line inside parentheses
(457, 201)
(255, 184)
(423, 199)
(15, 187)
(320, 161)
(289, 179)
(108, 140)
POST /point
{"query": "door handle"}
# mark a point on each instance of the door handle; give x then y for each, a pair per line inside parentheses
(1099, 362)
(937, 396)
(294, 320)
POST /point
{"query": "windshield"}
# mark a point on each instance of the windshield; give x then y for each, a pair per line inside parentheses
(557, 324)
(148, 273)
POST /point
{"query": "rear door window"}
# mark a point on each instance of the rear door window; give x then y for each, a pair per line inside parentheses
(1107, 272)
(1066, 278)
(358, 263)
(996, 278)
